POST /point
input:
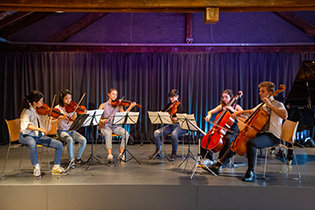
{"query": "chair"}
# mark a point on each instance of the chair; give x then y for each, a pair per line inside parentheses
(14, 134)
(288, 132)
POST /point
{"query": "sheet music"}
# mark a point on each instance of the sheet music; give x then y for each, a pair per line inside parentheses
(126, 118)
(187, 121)
(160, 117)
(97, 117)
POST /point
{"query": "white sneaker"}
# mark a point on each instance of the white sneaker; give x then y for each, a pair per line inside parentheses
(110, 158)
(36, 173)
(122, 157)
(58, 170)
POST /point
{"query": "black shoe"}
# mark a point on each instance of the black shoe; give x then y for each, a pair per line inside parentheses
(80, 161)
(172, 157)
(156, 154)
(216, 168)
(249, 176)
(279, 154)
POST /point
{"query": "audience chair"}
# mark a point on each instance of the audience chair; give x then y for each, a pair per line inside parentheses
(288, 132)
(14, 134)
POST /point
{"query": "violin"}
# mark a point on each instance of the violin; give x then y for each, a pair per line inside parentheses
(72, 106)
(215, 138)
(123, 103)
(45, 110)
(253, 124)
(173, 108)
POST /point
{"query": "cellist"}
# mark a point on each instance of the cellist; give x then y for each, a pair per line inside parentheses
(268, 136)
(227, 96)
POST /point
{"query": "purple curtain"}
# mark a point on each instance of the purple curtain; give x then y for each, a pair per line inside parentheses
(145, 78)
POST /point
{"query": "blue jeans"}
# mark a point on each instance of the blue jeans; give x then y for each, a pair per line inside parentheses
(108, 130)
(32, 141)
(70, 137)
(174, 129)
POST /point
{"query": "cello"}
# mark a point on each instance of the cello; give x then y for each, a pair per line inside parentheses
(214, 139)
(253, 124)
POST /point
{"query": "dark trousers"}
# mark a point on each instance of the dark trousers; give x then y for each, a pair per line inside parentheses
(260, 141)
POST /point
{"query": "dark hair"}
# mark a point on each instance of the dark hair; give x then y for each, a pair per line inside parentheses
(62, 94)
(229, 92)
(34, 96)
(269, 85)
(173, 93)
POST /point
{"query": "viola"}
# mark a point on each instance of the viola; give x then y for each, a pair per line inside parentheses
(215, 138)
(124, 103)
(253, 124)
(45, 110)
(73, 107)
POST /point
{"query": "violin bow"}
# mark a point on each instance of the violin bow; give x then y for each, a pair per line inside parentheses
(48, 120)
(77, 105)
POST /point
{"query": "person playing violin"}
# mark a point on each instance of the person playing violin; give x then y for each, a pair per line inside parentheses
(65, 97)
(268, 136)
(173, 129)
(33, 130)
(108, 129)
(227, 96)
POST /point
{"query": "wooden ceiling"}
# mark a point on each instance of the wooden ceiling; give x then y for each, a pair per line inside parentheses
(183, 6)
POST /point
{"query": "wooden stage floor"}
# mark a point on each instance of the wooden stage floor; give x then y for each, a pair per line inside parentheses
(157, 185)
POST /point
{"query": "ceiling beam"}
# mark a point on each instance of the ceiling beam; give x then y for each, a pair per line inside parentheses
(298, 22)
(77, 27)
(189, 28)
(185, 6)
(22, 23)
(13, 18)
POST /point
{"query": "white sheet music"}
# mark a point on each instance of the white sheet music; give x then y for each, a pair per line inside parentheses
(126, 118)
(97, 117)
(160, 117)
(187, 121)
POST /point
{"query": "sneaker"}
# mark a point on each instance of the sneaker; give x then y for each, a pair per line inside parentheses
(58, 171)
(122, 157)
(72, 163)
(37, 174)
(80, 161)
(110, 158)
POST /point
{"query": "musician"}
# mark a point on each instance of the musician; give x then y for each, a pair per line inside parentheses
(227, 96)
(33, 130)
(173, 129)
(108, 129)
(65, 97)
(269, 134)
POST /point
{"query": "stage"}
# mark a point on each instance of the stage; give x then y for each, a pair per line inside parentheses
(157, 185)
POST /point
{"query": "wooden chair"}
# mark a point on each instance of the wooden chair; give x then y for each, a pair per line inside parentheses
(14, 134)
(288, 133)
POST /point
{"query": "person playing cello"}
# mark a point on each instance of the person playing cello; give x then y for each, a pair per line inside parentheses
(107, 128)
(268, 136)
(173, 129)
(65, 97)
(227, 96)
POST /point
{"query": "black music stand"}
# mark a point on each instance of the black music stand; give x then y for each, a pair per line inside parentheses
(185, 125)
(199, 160)
(126, 118)
(76, 125)
(93, 119)
(160, 118)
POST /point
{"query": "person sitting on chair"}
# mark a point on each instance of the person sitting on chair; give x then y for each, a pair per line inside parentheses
(108, 129)
(174, 107)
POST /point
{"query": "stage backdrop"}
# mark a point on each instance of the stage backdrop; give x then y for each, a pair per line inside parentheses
(144, 78)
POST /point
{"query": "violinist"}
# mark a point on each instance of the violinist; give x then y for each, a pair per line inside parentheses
(108, 129)
(65, 97)
(173, 107)
(268, 136)
(227, 96)
(33, 130)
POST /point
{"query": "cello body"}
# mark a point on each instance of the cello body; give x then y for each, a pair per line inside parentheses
(252, 127)
(214, 140)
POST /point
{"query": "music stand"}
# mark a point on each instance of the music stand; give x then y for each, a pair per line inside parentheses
(199, 160)
(126, 118)
(160, 118)
(185, 125)
(77, 123)
(93, 119)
